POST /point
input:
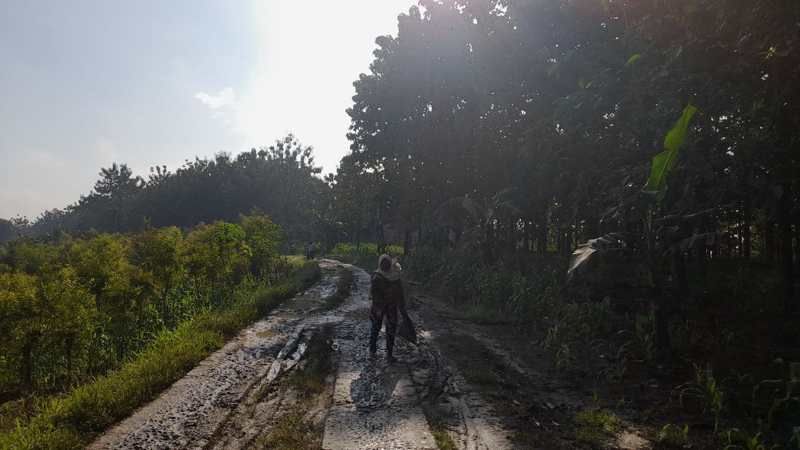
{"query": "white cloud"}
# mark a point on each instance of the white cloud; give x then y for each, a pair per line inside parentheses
(225, 97)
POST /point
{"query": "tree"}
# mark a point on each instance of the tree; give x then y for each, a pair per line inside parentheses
(7, 231)
(159, 254)
(263, 238)
(21, 323)
(217, 253)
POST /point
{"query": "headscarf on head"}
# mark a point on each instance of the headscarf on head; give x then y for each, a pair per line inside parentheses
(394, 271)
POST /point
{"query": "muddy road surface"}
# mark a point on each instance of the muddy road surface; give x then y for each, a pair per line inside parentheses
(302, 378)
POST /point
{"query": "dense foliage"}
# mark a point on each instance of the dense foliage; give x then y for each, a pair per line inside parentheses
(73, 308)
(544, 115)
(497, 136)
(510, 129)
(280, 180)
(72, 420)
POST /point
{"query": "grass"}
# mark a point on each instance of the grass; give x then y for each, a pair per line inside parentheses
(296, 260)
(291, 432)
(673, 436)
(443, 439)
(440, 434)
(596, 426)
(73, 420)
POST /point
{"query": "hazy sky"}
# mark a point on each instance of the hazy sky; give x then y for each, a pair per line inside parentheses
(87, 83)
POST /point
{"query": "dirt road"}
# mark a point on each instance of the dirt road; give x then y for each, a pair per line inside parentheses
(259, 390)
(302, 379)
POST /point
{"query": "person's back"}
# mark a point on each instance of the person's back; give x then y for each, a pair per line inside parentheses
(387, 298)
(385, 290)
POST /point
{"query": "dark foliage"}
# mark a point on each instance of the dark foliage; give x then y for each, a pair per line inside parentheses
(280, 180)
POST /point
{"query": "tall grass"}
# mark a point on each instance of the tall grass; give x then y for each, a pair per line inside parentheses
(73, 420)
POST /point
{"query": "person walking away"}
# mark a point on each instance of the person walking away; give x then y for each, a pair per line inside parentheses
(388, 299)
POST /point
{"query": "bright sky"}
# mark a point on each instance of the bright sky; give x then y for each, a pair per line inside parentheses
(90, 82)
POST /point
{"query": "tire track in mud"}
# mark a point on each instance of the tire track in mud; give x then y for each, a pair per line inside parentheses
(380, 406)
(494, 399)
(375, 405)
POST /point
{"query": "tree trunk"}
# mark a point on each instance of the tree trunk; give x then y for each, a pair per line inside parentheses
(796, 244)
(69, 344)
(380, 237)
(165, 304)
(591, 229)
(541, 232)
(658, 299)
(679, 274)
(528, 236)
(785, 243)
(662, 340)
(769, 243)
(26, 369)
(747, 219)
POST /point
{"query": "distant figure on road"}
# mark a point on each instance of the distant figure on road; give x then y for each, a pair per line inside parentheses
(310, 251)
(387, 299)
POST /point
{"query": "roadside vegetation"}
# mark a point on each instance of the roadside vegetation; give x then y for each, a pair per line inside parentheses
(111, 320)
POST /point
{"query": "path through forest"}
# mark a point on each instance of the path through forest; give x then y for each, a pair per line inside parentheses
(264, 388)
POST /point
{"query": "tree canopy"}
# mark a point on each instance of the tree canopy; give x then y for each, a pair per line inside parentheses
(280, 180)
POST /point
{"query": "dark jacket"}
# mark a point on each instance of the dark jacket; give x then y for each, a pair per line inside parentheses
(385, 292)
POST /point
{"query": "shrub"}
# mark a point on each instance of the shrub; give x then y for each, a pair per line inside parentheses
(217, 253)
(673, 436)
(71, 421)
(76, 308)
(595, 426)
(263, 237)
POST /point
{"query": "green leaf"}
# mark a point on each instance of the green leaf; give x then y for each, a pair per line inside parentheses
(664, 162)
(677, 135)
(632, 60)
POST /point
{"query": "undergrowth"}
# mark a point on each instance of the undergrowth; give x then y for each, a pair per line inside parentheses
(673, 436)
(596, 426)
(728, 323)
(443, 439)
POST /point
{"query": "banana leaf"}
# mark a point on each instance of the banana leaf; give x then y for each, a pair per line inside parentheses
(664, 162)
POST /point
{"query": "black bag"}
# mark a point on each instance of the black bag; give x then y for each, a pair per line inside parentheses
(406, 330)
